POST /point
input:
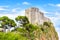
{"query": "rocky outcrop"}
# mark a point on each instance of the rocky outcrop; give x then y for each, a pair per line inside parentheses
(47, 30)
(29, 31)
(48, 33)
(35, 16)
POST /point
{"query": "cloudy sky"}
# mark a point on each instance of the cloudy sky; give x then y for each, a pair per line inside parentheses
(51, 9)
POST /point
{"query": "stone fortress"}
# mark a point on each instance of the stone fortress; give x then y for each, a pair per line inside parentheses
(35, 16)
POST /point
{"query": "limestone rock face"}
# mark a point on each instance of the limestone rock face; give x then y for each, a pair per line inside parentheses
(47, 30)
(35, 16)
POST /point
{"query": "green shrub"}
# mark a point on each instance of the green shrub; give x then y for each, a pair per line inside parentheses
(11, 36)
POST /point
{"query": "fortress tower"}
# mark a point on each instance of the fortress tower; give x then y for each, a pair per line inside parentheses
(35, 16)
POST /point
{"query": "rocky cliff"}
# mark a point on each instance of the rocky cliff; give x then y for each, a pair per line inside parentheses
(32, 32)
(28, 30)
(47, 32)
(39, 32)
(35, 16)
(46, 29)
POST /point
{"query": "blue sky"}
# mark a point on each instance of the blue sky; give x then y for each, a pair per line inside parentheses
(51, 9)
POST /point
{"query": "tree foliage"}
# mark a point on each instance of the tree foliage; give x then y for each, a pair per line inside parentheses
(23, 19)
(11, 36)
(6, 21)
(27, 31)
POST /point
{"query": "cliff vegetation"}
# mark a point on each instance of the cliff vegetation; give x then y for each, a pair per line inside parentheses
(26, 31)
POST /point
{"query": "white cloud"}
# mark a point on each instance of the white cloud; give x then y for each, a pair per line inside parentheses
(55, 17)
(3, 7)
(59, 34)
(51, 4)
(15, 10)
(58, 30)
(44, 11)
(18, 4)
(56, 5)
(26, 3)
(13, 15)
(55, 21)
